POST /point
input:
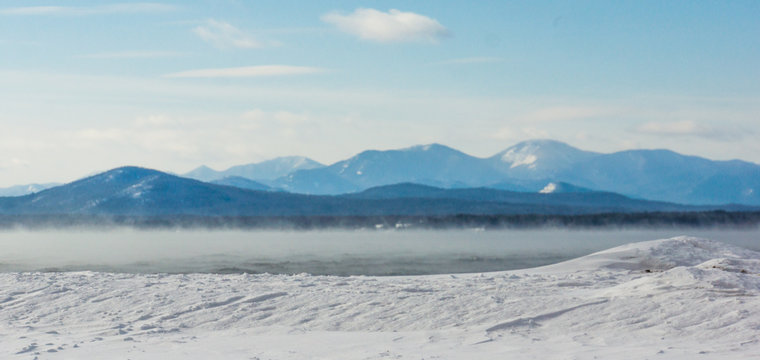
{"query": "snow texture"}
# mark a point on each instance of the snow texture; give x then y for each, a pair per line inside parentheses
(549, 188)
(679, 298)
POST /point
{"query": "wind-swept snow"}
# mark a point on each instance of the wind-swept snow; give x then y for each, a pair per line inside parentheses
(680, 298)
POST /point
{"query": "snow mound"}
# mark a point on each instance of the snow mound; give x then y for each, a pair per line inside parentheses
(705, 269)
(742, 266)
(656, 256)
(710, 278)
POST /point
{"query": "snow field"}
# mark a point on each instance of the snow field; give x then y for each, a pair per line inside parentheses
(679, 298)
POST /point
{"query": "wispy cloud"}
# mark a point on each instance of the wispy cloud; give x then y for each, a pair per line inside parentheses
(12, 163)
(224, 35)
(472, 60)
(126, 8)
(569, 113)
(391, 26)
(673, 128)
(131, 55)
(152, 133)
(248, 71)
(513, 133)
(688, 128)
(258, 116)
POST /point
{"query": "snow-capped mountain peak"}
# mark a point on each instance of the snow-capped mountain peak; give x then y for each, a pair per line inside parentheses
(519, 159)
(538, 158)
(529, 152)
(525, 153)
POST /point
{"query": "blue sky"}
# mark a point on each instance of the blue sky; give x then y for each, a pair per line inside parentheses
(87, 86)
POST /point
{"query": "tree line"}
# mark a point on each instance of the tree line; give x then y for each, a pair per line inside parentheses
(700, 219)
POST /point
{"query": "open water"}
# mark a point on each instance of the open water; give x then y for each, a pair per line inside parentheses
(386, 252)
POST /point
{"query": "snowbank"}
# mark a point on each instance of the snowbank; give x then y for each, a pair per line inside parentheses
(674, 298)
(654, 255)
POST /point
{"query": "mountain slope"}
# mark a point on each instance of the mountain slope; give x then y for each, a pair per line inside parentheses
(527, 166)
(581, 201)
(203, 173)
(538, 159)
(562, 187)
(659, 175)
(273, 169)
(139, 191)
(316, 181)
(265, 170)
(241, 182)
(432, 164)
(669, 176)
(144, 192)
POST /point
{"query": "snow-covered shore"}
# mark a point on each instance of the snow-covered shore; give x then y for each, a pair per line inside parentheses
(679, 298)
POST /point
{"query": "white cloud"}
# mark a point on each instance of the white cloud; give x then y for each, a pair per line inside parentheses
(247, 71)
(131, 55)
(391, 26)
(223, 35)
(130, 8)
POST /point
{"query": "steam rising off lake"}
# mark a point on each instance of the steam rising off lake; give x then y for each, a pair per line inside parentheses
(318, 252)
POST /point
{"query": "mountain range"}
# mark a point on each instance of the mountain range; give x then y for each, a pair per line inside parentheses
(263, 171)
(134, 191)
(529, 166)
(535, 166)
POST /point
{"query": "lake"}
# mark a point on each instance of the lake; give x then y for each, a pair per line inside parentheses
(335, 252)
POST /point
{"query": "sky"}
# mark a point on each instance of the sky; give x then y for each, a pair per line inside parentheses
(86, 86)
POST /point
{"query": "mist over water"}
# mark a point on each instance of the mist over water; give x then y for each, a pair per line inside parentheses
(319, 252)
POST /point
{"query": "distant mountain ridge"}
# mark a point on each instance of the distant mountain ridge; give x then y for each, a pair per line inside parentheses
(19, 190)
(434, 164)
(538, 159)
(261, 171)
(134, 191)
(601, 201)
(668, 176)
(243, 183)
(531, 166)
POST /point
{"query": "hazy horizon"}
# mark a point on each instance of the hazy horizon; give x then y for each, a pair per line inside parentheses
(171, 85)
(222, 168)
(321, 252)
